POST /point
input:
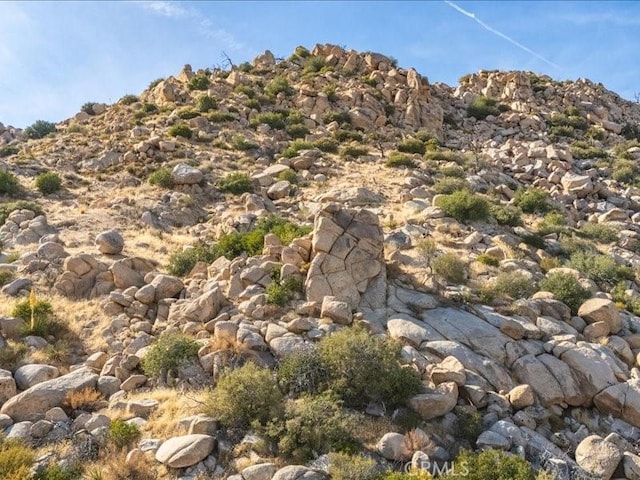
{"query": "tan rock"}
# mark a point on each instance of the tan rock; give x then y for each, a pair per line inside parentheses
(185, 451)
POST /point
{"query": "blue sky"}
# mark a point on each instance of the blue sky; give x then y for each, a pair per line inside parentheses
(55, 56)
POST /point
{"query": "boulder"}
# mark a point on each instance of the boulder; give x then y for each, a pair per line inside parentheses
(262, 471)
(110, 242)
(183, 174)
(33, 403)
(598, 457)
(185, 451)
(29, 375)
(336, 310)
(298, 472)
(601, 310)
(436, 402)
(166, 286)
(393, 446)
(7, 386)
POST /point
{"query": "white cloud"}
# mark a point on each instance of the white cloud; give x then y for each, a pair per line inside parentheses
(500, 34)
(166, 9)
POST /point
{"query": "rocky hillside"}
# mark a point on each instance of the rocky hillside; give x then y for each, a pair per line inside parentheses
(324, 267)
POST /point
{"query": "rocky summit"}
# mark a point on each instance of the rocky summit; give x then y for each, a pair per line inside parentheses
(324, 267)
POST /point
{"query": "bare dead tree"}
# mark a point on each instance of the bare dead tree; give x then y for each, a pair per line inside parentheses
(227, 62)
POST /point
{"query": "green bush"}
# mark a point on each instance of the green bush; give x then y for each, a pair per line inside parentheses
(9, 184)
(295, 147)
(128, 99)
(5, 277)
(274, 119)
(199, 82)
(161, 178)
(344, 466)
(188, 114)
(8, 150)
(598, 231)
(312, 425)
(506, 215)
(167, 353)
(570, 119)
(602, 269)
(489, 260)
(182, 262)
(155, 83)
(280, 292)
(352, 357)
(624, 171)
(58, 472)
(245, 90)
(453, 171)
(448, 185)
(48, 182)
(278, 85)
(241, 143)
(490, 465)
(342, 118)
(532, 200)
(43, 322)
(450, 267)
(444, 156)
(468, 424)
(297, 130)
(412, 145)
(330, 91)
(464, 206)
(553, 222)
(15, 459)
(303, 372)
(566, 288)
(514, 285)
(8, 207)
(326, 145)
(313, 65)
(482, 107)
(39, 129)
(342, 135)
(352, 151)
(400, 160)
(88, 108)
(244, 396)
(585, 150)
(289, 175)
(236, 183)
(204, 103)
(221, 117)
(122, 434)
(180, 130)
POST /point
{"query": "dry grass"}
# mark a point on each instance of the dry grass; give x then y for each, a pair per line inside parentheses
(88, 400)
(112, 465)
(174, 406)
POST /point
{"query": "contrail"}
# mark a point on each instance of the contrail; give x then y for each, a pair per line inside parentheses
(500, 34)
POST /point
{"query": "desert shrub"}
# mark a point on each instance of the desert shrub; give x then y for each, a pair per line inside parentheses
(245, 90)
(558, 131)
(464, 206)
(167, 353)
(39, 129)
(453, 171)
(353, 357)
(506, 215)
(204, 103)
(279, 292)
(598, 231)
(15, 459)
(180, 130)
(182, 262)
(278, 85)
(88, 108)
(326, 145)
(532, 200)
(342, 118)
(624, 171)
(289, 175)
(43, 323)
(585, 150)
(448, 185)
(122, 434)
(199, 82)
(595, 133)
(12, 356)
(9, 184)
(602, 269)
(236, 183)
(286, 231)
(450, 267)
(128, 99)
(295, 147)
(155, 83)
(514, 285)
(344, 466)
(534, 240)
(8, 207)
(161, 178)
(413, 474)
(330, 91)
(188, 114)
(566, 288)
(245, 67)
(570, 119)
(77, 128)
(468, 424)
(630, 131)
(221, 117)
(444, 156)
(8, 150)
(490, 465)
(313, 64)
(253, 104)
(48, 182)
(241, 143)
(400, 160)
(553, 222)
(482, 107)
(352, 151)
(312, 425)
(87, 400)
(296, 130)
(489, 260)
(59, 472)
(5, 277)
(243, 396)
(274, 119)
(303, 371)
(412, 145)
